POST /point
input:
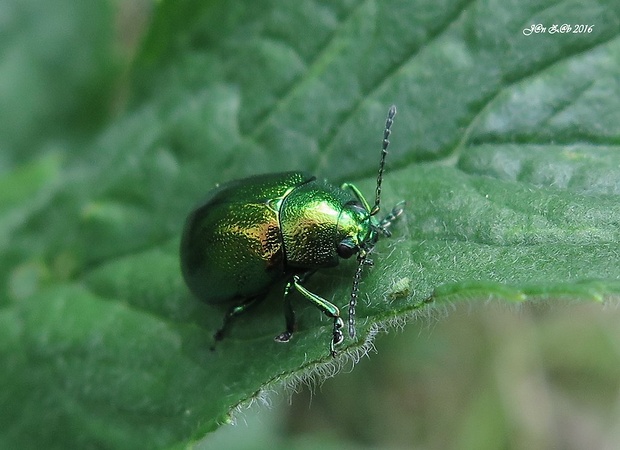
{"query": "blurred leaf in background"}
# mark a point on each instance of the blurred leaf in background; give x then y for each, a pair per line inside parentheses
(117, 117)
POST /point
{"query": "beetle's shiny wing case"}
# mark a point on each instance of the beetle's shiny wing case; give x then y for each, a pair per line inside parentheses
(232, 244)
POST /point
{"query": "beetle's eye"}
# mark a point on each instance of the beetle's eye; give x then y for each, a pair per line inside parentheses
(346, 249)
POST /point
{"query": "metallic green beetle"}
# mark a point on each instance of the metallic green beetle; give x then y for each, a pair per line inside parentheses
(250, 233)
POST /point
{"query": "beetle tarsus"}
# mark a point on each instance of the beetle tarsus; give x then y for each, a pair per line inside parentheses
(338, 337)
(284, 337)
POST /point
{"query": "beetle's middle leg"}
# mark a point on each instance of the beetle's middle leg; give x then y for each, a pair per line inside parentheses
(289, 315)
(329, 309)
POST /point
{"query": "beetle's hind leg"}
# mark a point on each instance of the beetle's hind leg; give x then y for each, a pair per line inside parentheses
(234, 312)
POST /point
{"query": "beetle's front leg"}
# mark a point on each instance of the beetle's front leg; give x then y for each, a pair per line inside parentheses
(328, 308)
(391, 217)
(358, 194)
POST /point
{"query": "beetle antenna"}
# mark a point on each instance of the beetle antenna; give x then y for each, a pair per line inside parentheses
(384, 147)
(362, 260)
(354, 294)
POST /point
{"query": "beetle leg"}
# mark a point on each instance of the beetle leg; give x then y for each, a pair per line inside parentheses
(235, 311)
(357, 194)
(391, 217)
(289, 315)
(329, 309)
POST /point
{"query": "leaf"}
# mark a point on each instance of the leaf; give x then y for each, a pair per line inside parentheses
(57, 63)
(505, 148)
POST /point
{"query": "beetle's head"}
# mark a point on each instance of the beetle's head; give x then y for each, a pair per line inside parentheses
(359, 230)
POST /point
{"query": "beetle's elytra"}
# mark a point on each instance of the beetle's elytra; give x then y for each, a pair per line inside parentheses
(250, 233)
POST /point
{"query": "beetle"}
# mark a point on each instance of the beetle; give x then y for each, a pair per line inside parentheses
(251, 233)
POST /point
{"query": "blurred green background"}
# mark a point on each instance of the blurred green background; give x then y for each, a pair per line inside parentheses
(483, 376)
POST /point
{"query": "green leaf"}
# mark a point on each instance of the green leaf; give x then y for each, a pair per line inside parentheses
(505, 148)
(57, 70)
